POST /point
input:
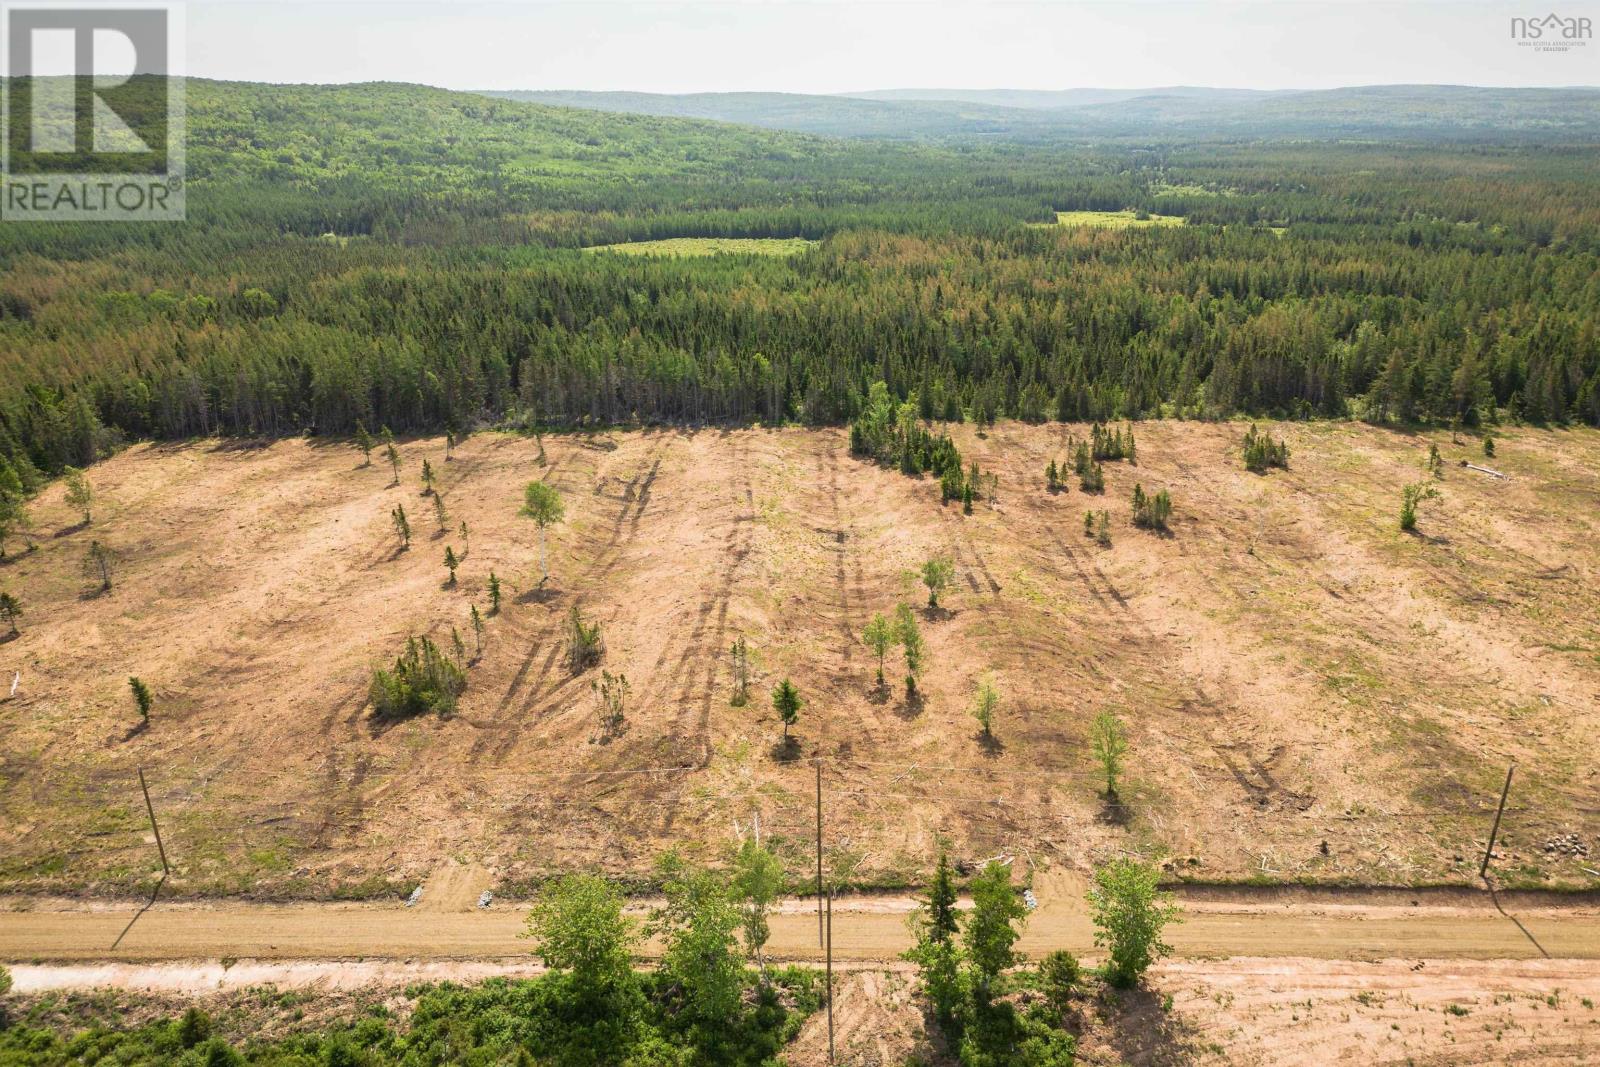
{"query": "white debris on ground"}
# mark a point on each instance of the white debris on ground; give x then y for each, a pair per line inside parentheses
(485, 899)
(416, 895)
(1029, 899)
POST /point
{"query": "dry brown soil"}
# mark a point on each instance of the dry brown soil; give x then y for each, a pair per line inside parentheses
(1309, 693)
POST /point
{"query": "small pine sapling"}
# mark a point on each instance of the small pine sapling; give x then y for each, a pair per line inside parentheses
(402, 526)
(477, 632)
(391, 453)
(458, 646)
(100, 563)
(1102, 530)
(427, 478)
(364, 444)
(984, 706)
(1435, 462)
(10, 611)
(1488, 447)
(142, 698)
(612, 692)
(787, 703)
(1088, 524)
(440, 515)
(494, 594)
(451, 563)
(740, 654)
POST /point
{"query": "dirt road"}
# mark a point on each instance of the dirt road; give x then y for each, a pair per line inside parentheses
(864, 929)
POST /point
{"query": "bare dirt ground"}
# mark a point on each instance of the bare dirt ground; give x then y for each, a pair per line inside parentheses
(1248, 1011)
(1288, 1012)
(1310, 694)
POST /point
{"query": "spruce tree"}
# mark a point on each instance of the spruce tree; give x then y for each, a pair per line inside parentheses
(494, 594)
(451, 563)
(787, 703)
(10, 611)
(910, 638)
(427, 478)
(142, 698)
(477, 632)
(402, 525)
(364, 444)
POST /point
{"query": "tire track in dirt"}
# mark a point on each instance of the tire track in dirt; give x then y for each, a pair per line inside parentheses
(546, 633)
(828, 463)
(695, 723)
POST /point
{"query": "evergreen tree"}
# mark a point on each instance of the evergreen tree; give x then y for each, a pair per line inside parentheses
(142, 698)
(451, 563)
(427, 478)
(364, 444)
(477, 632)
(787, 703)
(991, 927)
(494, 594)
(1410, 497)
(440, 516)
(984, 706)
(402, 525)
(10, 611)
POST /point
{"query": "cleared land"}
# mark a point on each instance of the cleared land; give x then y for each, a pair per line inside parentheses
(709, 246)
(1310, 694)
(1114, 220)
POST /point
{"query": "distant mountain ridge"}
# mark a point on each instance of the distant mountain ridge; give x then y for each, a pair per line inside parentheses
(1448, 111)
(1049, 99)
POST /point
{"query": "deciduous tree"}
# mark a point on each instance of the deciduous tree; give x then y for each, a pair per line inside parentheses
(936, 575)
(1129, 914)
(79, 494)
(542, 503)
(879, 635)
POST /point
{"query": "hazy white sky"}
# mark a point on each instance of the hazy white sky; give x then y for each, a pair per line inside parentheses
(837, 45)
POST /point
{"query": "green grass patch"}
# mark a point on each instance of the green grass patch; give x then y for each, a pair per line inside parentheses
(710, 246)
(1114, 220)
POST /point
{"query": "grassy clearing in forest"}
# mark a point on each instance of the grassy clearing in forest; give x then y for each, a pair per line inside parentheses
(1113, 220)
(710, 246)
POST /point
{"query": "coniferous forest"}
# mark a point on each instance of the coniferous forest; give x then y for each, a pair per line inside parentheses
(402, 257)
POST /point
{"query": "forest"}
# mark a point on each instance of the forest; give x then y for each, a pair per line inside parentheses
(403, 257)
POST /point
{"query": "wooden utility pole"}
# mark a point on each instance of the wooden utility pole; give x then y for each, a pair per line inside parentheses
(820, 939)
(165, 870)
(830, 975)
(1494, 831)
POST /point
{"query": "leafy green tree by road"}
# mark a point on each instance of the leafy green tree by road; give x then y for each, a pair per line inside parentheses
(1129, 914)
(581, 932)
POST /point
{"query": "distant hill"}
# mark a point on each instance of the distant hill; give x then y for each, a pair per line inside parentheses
(836, 116)
(1049, 99)
(1379, 111)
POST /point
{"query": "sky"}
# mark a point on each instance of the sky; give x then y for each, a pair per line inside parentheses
(847, 45)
